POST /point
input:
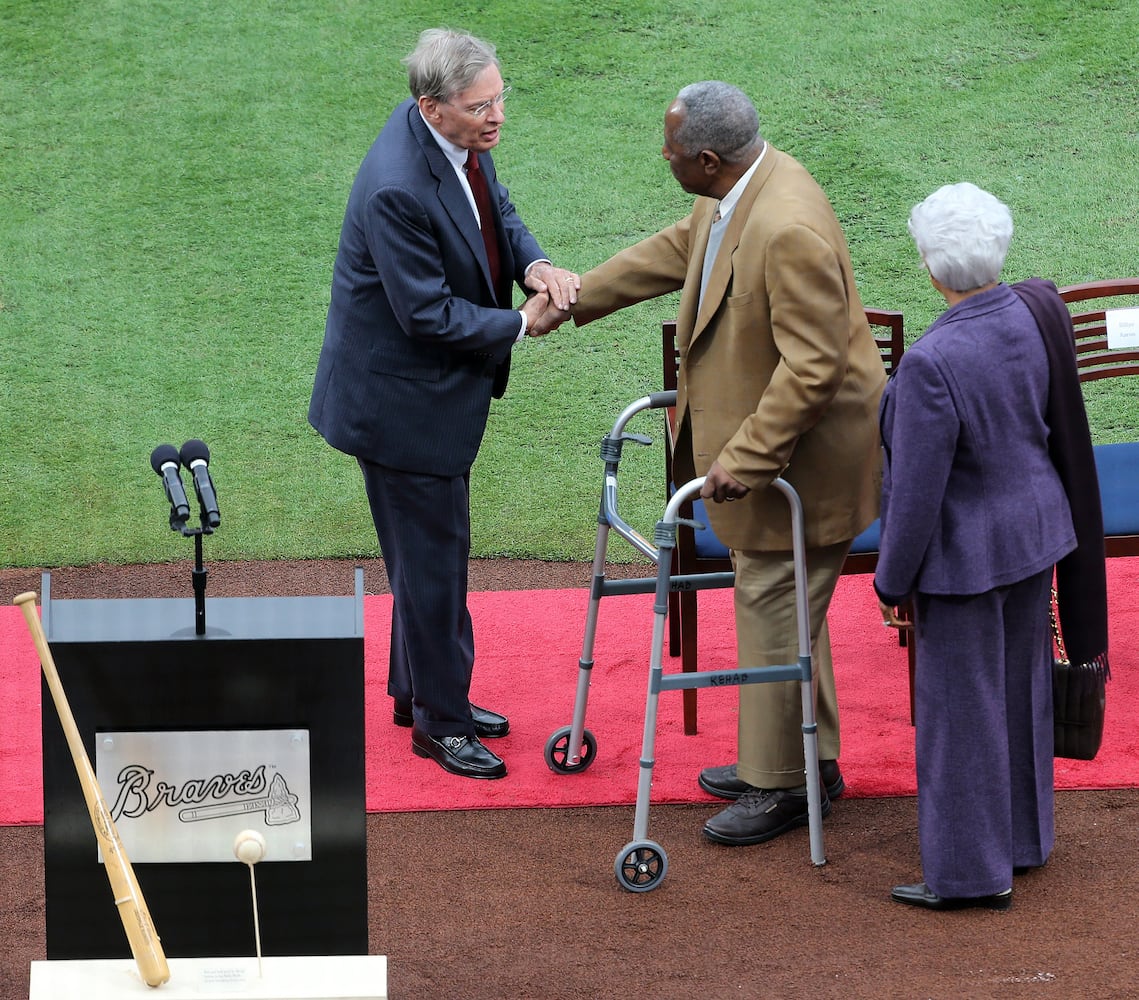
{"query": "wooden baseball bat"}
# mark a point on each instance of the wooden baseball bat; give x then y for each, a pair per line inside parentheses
(141, 936)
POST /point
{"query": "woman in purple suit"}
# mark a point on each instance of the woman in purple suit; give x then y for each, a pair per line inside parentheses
(975, 516)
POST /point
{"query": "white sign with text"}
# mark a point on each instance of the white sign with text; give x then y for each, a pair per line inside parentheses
(184, 796)
(1122, 328)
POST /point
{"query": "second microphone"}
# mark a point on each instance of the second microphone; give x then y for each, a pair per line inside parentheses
(195, 456)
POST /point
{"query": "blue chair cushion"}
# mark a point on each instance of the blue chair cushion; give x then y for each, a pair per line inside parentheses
(708, 546)
(1116, 464)
(869, 540)
(1118, 468)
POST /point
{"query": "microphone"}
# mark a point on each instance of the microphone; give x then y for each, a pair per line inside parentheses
(164, 460)
(196, 457)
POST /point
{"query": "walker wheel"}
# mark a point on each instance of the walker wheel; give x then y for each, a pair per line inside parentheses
(557, 751)
(640, 866)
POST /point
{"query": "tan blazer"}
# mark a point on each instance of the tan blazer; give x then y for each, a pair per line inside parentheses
(779, 373)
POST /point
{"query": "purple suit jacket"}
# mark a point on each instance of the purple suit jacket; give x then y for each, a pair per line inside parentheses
(970, 498)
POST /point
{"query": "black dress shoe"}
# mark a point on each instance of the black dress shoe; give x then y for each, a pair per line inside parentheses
(488, 725)
(462, 755)
(922, 895)
(725, 783)
(761, 814)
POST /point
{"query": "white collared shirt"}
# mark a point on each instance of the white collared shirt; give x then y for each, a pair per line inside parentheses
(728, 202)
(457, 157)
(724, 210)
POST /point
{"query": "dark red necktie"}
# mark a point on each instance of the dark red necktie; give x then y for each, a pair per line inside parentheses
(477, 181)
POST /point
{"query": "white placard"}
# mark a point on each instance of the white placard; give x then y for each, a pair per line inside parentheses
(336, 977)
(184, 796)
(1122, 328)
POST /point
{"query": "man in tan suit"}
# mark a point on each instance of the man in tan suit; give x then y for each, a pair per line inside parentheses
(779, 376)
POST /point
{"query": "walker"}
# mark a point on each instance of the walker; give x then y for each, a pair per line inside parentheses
(641, 864)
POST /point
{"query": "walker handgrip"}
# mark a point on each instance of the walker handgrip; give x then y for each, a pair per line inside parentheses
(660, 400)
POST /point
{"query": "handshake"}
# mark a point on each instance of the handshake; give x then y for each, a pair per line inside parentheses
(555, 292)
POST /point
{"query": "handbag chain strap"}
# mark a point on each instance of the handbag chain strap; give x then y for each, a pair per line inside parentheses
(1057, 637)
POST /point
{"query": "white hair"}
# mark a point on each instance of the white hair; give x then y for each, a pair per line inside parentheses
(962, 234)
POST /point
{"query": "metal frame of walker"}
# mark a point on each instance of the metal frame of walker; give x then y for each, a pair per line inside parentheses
(641, 864)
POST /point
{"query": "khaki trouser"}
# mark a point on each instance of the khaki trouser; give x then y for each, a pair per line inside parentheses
(771, 715)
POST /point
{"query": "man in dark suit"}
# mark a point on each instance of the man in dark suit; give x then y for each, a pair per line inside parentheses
(417, 341)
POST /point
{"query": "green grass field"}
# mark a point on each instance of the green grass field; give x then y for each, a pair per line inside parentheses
(174, 178)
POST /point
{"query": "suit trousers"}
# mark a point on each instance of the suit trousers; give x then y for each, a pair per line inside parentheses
(423, 526)
(984, 736)
(771, 714)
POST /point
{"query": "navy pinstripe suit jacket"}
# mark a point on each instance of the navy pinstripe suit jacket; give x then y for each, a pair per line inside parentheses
(415, 343)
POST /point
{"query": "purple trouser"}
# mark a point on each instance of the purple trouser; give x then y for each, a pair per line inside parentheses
(984, 732)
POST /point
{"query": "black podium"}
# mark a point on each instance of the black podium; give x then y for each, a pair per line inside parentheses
(269, 668)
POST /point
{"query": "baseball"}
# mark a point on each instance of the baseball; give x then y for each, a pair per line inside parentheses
(249, 846)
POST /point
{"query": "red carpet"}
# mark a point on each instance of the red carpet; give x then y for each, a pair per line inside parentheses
(529, 643)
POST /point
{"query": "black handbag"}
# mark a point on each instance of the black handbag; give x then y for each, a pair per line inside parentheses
(1079, 699)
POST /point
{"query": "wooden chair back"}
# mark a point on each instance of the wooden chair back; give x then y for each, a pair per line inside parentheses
(1118, 464)
(1093, 357)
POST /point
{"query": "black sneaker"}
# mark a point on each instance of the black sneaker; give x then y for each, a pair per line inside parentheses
(724, 783)
(761, 814)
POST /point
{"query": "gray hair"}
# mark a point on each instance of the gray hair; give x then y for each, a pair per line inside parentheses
(963, 235)
(446, 62)
(719, 117)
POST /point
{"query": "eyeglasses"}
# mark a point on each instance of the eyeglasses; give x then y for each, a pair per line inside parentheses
(482, 110)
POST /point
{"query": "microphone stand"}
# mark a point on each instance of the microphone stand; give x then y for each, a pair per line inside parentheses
(198, 575)
(178, 522)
